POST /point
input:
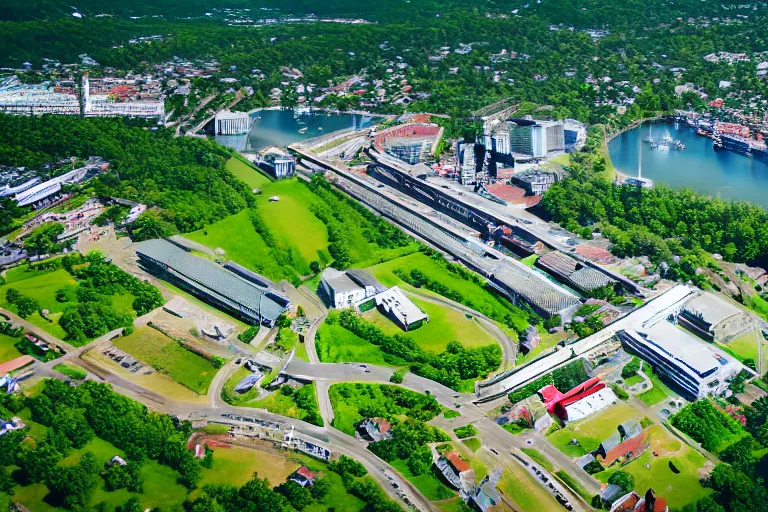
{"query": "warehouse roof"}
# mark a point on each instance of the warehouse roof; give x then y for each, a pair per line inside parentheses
(711, 308)
(212, 277)
(534, 288)
(339, 281)
(584, 277)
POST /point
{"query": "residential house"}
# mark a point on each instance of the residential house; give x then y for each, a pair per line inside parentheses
(304, 477)
(457, 472)
(375, 429)
(633, 502)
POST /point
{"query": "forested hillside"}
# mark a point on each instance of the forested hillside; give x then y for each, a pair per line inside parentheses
(184, 176)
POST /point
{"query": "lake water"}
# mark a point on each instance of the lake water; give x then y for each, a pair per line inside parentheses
(700, 168)
(280, 128)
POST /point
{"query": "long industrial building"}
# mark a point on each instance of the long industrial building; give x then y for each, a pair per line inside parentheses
(216, 285)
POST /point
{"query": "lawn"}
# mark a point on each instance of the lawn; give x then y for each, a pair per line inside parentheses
(240, 399)
(539, 457)
(744, 346)
(160, 484)
(7, 349)
(41, 286)
(250, 175)
(337, 345)
(236, 465)
(680, 488)
(658, 393)
(430, 485)
(525, 491)
(591, 431)
(291, 220)
(634, 379)
(445, 325)
(169, 357)
(285, 405)
(475, 294)
(71, 370)
(473, 443)
(547, 341)
(353, 402)
(241, 243)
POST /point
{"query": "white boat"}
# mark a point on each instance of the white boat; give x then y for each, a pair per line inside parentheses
(649, 139)
(663, 146)
(303, 130)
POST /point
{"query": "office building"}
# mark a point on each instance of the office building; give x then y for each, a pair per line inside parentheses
(216, 285)
(695, 367)
(232, 123)
(276, 163)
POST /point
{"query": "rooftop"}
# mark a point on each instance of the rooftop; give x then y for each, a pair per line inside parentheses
(459, 464)
(685, 348)
(339, 281)
(212, 277)
(711, 309)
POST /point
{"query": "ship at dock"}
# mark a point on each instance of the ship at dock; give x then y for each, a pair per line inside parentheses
(736, 138)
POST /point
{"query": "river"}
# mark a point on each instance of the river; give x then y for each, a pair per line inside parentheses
(699, 167)
(280, 128)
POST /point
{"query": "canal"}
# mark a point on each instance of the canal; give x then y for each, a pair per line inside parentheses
(699, 167)
(282, 128)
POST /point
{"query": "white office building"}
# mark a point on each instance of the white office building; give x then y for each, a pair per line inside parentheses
(232, 123)
(698, 368)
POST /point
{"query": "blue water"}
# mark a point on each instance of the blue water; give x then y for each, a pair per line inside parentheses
(700, 168)
(280, 128)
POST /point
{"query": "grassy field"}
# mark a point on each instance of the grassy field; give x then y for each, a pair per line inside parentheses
(658, 393)
(71, 370)
(279, 403)
(480, 298)
(744, 346)
(42, 287)
(525, 491)
(252, 177)
(337, 345)
(160, 484)
(7, 349)
(592, 431)
(473, 443)
(237, 236)
(680, 488)
(350, 403)
(169, 357)
(547, 341)
(428, 483)
(445, 325)
(229, 395)
(291, 220)
(236, 465)
(634, 379)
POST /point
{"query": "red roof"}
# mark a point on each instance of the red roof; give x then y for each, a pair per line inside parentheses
(382, 424)
(306, 473)
(595, 253)
(634, 446)
(457, 462)
(629, 504)
(512, 194)
(15, 364)
(557, 401)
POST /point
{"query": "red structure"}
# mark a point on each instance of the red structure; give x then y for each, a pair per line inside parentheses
(555, 401)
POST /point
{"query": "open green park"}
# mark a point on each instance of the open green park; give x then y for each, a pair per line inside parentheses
(445, 325)
(289, 212)
(169, 357)
(40, 286)
(658, 393)
(591, 431)
(653, 469)
(7, 349)
(335, 344)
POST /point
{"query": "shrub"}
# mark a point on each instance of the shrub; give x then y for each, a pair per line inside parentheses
(631, 368)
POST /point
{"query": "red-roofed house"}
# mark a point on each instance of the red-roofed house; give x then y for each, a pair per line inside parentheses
(633, 502)
(15, 364)
(512, 195)
(456, 471)
(304, 477)
(629, 449)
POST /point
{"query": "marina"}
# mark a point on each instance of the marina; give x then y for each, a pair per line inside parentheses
(284, 127)
(701, 167)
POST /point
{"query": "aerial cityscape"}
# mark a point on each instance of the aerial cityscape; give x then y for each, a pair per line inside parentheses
(292, 256)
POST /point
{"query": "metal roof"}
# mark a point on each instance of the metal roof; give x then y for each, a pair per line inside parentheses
(711, 309)
(212, 278)
(534, 288)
